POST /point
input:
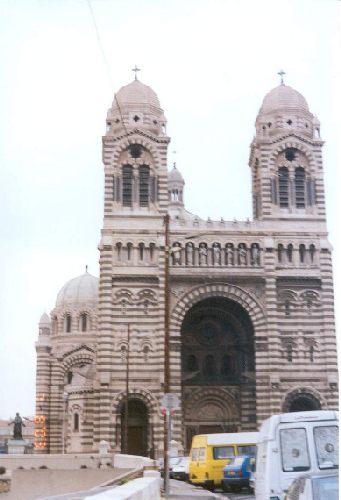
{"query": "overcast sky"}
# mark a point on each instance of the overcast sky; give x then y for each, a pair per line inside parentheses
(211, 62)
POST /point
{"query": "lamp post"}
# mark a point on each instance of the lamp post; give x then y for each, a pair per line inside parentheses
(65, 396)
(166, 360)
(126, 403)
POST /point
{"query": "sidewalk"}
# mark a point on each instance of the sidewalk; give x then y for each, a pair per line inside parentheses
(180, 490)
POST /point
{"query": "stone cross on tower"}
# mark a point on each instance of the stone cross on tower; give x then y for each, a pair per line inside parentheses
(281, 74)
(136, 69)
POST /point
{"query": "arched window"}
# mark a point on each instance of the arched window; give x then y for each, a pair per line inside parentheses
(76, 422)
(67, 323)
(127, 185)
(83, 322)
(119, 251)
(226, 365)
(290, 249)
(141, 251)
(283, 187)
(151, 251)
(280, 249)
(209, 366)
(301, 252)
(300, 187)
(289, 353)
(144, 175)
(287, 307)
(312, 253)
(192, 363)
(129, 251)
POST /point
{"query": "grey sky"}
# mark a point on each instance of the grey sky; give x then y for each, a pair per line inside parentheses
(211, 62)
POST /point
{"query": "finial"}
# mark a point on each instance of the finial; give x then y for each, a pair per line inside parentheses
(86, 268)
(281, 73)
(136, 69)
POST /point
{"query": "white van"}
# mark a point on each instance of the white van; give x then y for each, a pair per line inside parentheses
(294, 443)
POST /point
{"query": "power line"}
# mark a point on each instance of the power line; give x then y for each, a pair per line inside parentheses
(106, 65)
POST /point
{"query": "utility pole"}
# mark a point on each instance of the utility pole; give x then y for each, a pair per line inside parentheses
(126, 409)
(166, 355)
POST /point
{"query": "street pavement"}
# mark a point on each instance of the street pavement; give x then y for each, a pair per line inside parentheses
(180, 490)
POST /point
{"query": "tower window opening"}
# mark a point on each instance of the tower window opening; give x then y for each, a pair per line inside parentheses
(76, 422)
(68, 323)
(269, 124)
(283, 187)
(69, 376)
(144, 185)
(280, 253)
(312, 253)
(289, 122)
(127, 191)
(84, 322)
(136, 118)
(300, 187)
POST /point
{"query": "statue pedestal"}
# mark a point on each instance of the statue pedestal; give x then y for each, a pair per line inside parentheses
(16, 446)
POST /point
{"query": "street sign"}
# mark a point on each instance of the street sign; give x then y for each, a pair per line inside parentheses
(170, 401)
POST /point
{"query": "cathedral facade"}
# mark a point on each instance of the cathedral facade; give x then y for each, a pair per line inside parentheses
(246, 308)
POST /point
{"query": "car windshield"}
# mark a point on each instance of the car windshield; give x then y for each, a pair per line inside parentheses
(326, 488)
(220, 452)
(326, 439)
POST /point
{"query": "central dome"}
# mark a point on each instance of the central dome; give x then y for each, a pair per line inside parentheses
(137, 92)
(283, 97)
(82, 290)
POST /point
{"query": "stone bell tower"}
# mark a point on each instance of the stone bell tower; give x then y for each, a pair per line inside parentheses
(289, 202)
(131, 290)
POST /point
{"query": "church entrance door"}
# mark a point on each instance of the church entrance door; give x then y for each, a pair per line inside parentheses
(137, 429)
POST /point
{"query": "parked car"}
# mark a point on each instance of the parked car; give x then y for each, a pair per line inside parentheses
(180, 469)
(236, 474)
(322, 486)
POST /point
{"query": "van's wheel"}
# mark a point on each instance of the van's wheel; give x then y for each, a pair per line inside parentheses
(209, 485)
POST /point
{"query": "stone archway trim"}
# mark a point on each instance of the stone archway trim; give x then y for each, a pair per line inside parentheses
(228, 291)
(221, 398)
(137, 393)
(295, 392)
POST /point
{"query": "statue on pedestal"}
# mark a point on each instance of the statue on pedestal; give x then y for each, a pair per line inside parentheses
(18, 425)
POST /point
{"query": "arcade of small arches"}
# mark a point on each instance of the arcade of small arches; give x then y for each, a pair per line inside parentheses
(69, 322)
(216, 254)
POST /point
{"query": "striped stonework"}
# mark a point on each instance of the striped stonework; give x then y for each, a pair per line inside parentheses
(251, 311)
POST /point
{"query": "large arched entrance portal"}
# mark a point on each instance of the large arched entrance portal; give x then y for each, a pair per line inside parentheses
(137, 428)
(218, 369)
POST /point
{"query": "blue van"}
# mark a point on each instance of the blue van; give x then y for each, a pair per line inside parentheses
(236, 474)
